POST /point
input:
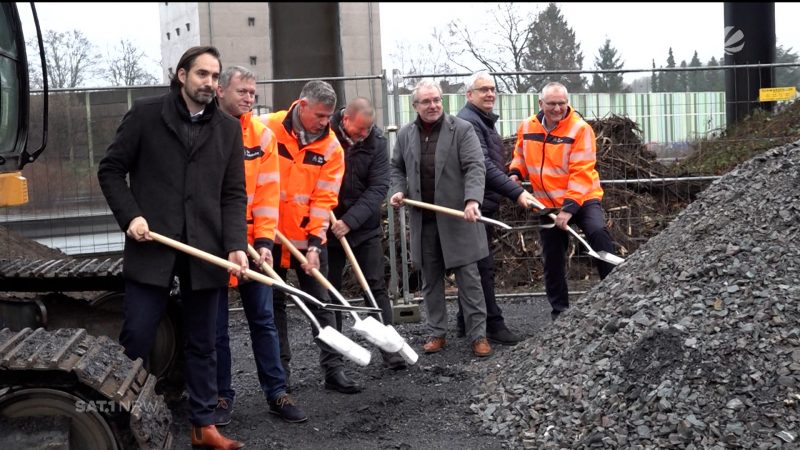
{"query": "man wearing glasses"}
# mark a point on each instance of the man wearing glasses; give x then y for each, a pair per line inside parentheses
(478, 112)
(438, 160)
(556, 151)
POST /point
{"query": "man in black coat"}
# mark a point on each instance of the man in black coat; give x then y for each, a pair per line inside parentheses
(185, 163)
(480, 89)
(364, 188)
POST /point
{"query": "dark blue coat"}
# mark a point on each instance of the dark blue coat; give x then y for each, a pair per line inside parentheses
(497, 182)
(364, 186)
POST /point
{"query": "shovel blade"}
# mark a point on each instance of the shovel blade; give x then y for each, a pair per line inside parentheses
(409, 354)
(377, 334)
(609, 258)
(343, 345)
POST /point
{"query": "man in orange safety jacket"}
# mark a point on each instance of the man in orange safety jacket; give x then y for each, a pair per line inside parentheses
(312, 167)
(555, 150)
(236, 93)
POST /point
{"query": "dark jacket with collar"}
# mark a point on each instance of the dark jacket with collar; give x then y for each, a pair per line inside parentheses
(186, 180)
(497, 182)
(364, 186)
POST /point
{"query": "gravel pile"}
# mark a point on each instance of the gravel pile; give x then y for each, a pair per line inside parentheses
(692, 343)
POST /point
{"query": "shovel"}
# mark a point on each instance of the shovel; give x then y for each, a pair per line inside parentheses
(328, 335)
(601, 255)
(453, 212)
(375, 332)
(406, 351)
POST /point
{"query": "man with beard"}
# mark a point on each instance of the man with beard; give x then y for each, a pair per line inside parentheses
(184, 160)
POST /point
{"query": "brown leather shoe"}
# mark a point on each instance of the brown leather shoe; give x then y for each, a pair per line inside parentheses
(434, 344)
(208, 436)
(481, 347)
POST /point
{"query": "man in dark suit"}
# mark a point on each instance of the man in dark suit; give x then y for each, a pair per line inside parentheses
(480, 91)
(364, 187)
(185, 163)
(438, 160)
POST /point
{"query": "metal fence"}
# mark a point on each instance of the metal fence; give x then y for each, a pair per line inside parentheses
(68, 211)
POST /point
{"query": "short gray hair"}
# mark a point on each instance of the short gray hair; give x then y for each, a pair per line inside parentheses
(425, 83)
(228, 74)
(479, 75)
(318, 91)
(554, 84)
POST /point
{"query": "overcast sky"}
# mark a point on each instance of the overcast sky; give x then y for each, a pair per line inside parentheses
(643, 32)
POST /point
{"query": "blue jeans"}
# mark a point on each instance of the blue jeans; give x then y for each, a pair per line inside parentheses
(257, 303)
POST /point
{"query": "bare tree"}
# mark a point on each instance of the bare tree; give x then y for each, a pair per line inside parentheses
(421, 60)
(125, 66)
(500, 49)
(71, 59)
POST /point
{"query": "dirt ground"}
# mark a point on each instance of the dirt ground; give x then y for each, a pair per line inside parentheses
(423, 407)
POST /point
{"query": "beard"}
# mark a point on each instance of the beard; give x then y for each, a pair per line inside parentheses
(201, 96)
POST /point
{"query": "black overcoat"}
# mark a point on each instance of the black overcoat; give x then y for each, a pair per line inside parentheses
(187, 182)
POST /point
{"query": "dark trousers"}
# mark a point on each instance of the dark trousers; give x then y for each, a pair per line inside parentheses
(494, 315)
(144, 306)
(257, 304)
(329, 360)
(554, 247)
(369, 255)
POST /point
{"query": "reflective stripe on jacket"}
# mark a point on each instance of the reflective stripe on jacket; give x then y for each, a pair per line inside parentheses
(262, 182)
(310, 180)
(560, 164)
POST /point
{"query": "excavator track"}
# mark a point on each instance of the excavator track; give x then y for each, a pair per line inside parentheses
(61, 275)
(119, 389)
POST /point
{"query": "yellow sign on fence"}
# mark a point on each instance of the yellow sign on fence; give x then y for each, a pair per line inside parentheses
(777, 94)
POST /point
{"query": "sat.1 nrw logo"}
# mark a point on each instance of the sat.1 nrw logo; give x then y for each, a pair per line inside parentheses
(734, 40)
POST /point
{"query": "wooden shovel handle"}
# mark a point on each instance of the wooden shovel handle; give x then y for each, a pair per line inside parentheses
(362, 280)
(453, 212)
(300, 257)
(208, 257)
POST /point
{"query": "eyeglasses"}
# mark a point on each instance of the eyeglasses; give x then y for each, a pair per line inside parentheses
(555, 104)
(485, 89)
(429, 102)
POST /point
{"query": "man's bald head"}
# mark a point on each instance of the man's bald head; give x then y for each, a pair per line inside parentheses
(358, 119)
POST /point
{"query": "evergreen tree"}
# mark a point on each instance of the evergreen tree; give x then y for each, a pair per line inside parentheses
(655, 86)
(668, 81)
(715, 79)
(682, 79)
(695, 77)
(786, 76)
(552, 46)
(608, 59)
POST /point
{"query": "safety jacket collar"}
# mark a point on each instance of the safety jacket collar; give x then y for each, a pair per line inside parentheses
(540, 118)
(288, 125)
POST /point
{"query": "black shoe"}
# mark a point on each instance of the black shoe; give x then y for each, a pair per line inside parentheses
(393, 361)
(554, 314)
(223, 412)
(284, 407)
(504, 336)
(339, 381)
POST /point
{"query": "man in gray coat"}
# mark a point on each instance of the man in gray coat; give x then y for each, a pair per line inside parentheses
(438, 159)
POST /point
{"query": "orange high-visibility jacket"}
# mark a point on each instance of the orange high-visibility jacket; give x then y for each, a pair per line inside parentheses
(262, 182)
(310, 181)
(560, 164)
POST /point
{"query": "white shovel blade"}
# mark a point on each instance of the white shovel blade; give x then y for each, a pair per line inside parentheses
(375, 333)
(409, 354)
(394, 338)
(342, 344)
(610, 258)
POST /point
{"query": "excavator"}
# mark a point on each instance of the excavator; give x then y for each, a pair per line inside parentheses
(64, 380)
